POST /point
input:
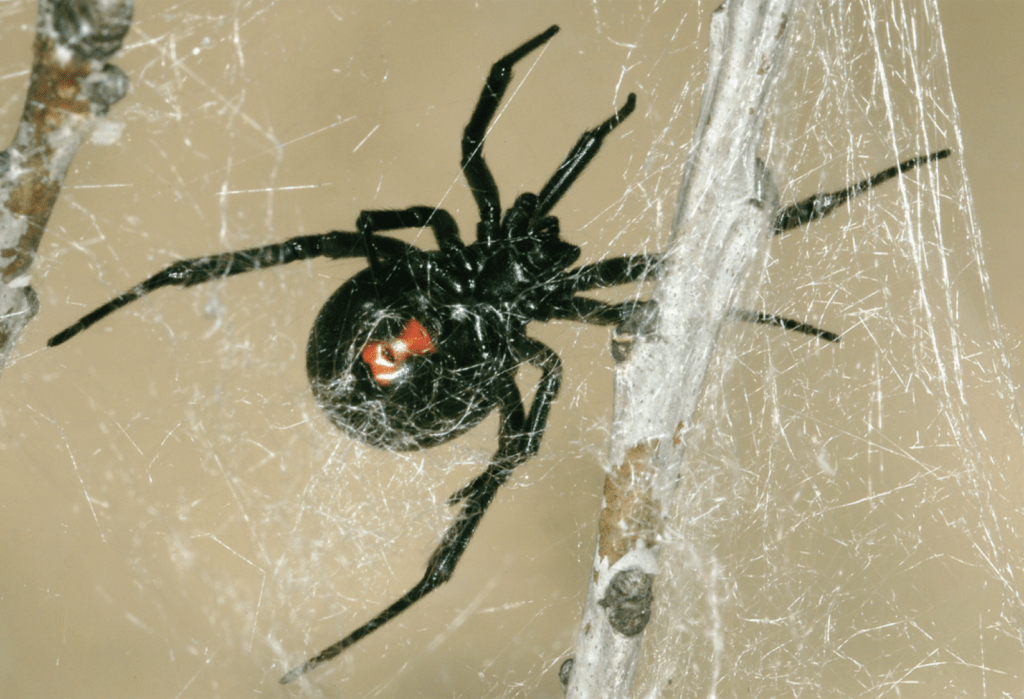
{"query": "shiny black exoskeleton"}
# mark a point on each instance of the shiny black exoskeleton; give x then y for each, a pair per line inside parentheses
(422, 345)
(363, 362)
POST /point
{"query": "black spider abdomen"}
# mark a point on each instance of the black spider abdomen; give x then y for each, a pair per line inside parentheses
(444, 387)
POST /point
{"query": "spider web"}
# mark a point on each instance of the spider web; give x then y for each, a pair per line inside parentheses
(179, 519)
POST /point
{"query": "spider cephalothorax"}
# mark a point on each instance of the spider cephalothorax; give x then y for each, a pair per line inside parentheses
(421, 346)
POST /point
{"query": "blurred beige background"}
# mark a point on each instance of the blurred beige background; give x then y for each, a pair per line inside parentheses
(150, 543)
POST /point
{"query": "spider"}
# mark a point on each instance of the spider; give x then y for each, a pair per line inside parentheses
(420, 346)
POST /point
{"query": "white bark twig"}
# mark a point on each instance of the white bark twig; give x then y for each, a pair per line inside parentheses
(724, 220)
(71, 86)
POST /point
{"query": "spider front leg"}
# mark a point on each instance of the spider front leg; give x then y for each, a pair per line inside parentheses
(518, 440)
(478, 175)
(578, 159)
(197, 270)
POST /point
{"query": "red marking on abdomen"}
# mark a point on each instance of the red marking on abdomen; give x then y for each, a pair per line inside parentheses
(386, 358)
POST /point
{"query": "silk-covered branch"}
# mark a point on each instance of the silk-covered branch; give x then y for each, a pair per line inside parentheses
(724, 219)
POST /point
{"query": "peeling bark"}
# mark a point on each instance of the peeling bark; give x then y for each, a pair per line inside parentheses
(70, 88)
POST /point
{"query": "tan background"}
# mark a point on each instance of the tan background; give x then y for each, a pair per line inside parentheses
(149, 539)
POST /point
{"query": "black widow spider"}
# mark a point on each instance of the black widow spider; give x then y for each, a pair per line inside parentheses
(421, 346)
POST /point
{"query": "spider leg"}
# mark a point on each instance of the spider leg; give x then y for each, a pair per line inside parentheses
(578, 159)
(197, 270)
(586, 310)
(518, 440)
(786, 323)
(523, 444)
(822, 204)
(445, 230)
(581, 309)
(478, 175)
(631, 268)
(611, 272)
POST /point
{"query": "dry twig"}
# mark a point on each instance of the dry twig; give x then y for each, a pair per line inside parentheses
(724, 220)
(71, 86)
